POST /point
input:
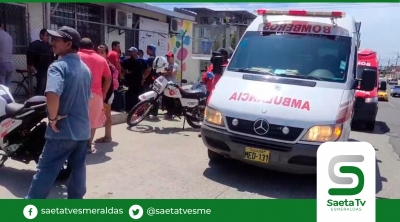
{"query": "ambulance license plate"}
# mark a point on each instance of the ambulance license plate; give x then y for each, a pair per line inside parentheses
(257, 155)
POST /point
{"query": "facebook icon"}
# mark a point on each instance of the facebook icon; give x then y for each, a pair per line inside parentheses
(30, 212)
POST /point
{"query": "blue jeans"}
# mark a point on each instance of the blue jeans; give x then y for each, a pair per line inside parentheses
(53, 157)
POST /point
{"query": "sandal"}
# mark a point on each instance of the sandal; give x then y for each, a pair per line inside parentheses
(102, 140)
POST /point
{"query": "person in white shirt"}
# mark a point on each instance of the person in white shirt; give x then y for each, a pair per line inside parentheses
(6, 57)
(173, 68)
(170, 75)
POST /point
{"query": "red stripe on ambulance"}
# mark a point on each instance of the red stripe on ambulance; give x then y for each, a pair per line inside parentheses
(275, 100)
(345, 112)
(298, 28)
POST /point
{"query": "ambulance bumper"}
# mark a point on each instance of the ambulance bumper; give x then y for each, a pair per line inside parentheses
(283, 157)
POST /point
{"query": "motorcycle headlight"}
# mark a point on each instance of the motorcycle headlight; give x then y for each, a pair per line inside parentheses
(323, 133)
(213, 116)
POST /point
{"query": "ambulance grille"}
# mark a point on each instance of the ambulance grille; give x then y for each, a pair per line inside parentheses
(274, 132)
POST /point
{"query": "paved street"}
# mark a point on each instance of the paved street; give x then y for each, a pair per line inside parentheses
(158, 160)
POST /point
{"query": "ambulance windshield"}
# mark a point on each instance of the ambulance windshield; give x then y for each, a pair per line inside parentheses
(293, 56)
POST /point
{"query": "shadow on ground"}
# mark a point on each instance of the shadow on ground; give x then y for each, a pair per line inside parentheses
(101, 155)
(161, 130)
(380, 128)
(18, 182)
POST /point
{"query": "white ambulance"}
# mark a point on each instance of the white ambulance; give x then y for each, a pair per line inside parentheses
(289, 87)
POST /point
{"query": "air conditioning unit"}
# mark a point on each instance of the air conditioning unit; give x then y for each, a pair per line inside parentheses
(121, 18)
(174, 25)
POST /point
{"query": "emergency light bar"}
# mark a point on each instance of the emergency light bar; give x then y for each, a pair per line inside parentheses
(265, 12)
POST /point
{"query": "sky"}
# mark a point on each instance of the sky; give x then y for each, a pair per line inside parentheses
(380, 22)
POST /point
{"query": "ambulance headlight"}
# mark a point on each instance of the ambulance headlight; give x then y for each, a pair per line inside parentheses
(213, 116)
(323, 133)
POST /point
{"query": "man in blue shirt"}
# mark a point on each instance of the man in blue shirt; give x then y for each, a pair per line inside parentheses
(68, 92)
(149, 76)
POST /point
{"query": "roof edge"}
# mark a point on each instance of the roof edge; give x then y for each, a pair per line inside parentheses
(160, 10)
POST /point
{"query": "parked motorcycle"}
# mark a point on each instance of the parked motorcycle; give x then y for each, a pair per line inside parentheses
(22, 130)
(190, 104)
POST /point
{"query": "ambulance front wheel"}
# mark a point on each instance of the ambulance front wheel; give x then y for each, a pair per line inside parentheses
(214, 157)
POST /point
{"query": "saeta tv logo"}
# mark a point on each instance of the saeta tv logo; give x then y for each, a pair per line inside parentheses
(346, 181)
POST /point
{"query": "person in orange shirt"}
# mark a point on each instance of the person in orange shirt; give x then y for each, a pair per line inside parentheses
(114, 56)
(209, 78)
(101, 81)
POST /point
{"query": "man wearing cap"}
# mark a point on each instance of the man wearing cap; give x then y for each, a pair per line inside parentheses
(133, 68)
(149, 74)
(170, 75)
(209, 78)
(68, 94)
(101, 76)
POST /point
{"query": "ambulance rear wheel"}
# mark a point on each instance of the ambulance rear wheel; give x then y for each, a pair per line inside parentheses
(370, 126)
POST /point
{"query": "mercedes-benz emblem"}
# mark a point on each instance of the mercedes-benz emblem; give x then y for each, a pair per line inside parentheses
(261, 127)
(278, 87)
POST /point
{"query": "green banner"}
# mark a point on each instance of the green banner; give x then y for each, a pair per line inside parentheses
(173, 210)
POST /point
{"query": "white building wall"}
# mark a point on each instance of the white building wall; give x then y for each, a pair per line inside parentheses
(114, 35)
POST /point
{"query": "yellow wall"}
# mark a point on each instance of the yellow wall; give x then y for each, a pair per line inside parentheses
(184, 53)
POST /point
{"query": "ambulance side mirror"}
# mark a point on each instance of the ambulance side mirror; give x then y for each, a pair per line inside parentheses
(369, 80)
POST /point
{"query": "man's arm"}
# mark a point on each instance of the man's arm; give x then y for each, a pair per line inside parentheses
(115, 60)
(174, 70)
(107, 78)
(54, 88)
(148, 69)
(204, 76)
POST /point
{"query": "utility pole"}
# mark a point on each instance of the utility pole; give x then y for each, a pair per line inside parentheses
(397, 58)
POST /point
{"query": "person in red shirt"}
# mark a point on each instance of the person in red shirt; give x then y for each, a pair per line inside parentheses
(114, 56)
(101, 81)
(209, 78)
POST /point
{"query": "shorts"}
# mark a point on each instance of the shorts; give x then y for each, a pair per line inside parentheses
(110, 99)
(96, 112)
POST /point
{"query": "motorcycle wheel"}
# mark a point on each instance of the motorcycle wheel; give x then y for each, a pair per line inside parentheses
(139, 112)
(197, 117)
(3, 157)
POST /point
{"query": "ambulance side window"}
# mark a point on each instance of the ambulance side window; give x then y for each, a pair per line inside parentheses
(355, 64)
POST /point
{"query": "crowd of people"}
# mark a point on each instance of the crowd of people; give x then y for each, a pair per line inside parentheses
(80, 81)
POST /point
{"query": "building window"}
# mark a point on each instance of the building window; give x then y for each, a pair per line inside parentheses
(204, 33)
(203, 20)
(14, 20)
(87, 19)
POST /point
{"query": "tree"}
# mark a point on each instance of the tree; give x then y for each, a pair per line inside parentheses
(233, 41)
(216, 45)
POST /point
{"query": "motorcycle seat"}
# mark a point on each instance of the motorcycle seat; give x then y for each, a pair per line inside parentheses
(13, 109)
(192, 94)
(34, 101)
